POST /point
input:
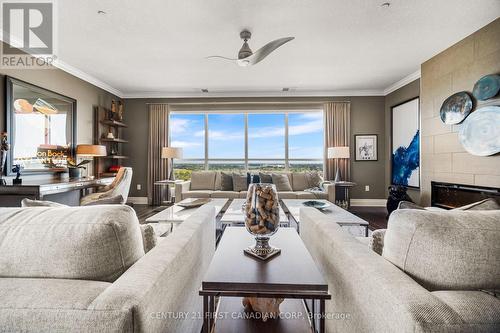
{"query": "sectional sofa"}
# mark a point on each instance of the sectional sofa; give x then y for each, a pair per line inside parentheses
(439, 271)
(207, 184)
(84, 269)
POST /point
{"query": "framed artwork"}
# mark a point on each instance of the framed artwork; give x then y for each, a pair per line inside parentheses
(405, 144)
(42, 128)
(366, 147)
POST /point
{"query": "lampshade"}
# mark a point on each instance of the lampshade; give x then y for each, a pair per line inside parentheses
(338, 152)
(90, 150)
(171, 152)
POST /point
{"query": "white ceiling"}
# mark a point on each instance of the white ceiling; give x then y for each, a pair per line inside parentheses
(158, 47)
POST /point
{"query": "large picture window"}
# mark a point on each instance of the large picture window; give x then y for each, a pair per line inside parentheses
(256, 141)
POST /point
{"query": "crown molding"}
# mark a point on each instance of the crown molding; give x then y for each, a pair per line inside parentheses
(401, 83)
(87, 77)
(73, 70)
(315, 93)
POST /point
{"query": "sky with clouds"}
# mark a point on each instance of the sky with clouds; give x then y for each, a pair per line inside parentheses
(266, 135)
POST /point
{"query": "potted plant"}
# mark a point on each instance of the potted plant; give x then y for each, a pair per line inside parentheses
(75, 170)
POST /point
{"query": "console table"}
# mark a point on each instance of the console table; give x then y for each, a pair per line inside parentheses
(66, 191)
(292, 275)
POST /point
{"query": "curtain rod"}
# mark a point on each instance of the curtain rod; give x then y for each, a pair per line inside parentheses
(249, 103)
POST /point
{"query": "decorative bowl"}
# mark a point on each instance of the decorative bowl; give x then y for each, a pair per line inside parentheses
(316, 204)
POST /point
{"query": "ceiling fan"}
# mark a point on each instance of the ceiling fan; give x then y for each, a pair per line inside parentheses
(246, 57)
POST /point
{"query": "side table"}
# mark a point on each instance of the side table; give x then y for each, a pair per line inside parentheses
(342, 193)
(167, 183)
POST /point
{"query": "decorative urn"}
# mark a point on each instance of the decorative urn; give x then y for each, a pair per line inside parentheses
(262, 218)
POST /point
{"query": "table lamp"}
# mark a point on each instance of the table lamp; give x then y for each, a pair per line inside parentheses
(90, 151)
(170, 153)
(338, 153)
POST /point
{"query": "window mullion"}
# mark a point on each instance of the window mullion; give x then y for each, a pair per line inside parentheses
(206, 141)
(287, 166)
(246, 142)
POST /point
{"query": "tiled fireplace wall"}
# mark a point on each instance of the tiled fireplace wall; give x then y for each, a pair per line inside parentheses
(453, 70)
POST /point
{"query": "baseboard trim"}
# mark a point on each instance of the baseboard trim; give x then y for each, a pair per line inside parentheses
(368, 202)
(138, 200)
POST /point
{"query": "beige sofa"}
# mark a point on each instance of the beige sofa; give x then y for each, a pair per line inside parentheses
(437, 273)
(83, 269)
(210, 188)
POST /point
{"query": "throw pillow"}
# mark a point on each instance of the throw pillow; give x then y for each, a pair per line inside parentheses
(226, 181)
(203, 180)
(239, 182)
(116, 200)
(314, 179)
(282, 182)
(486, 204)
(40, 203)
(148, 237)
(265, 178)
(377, 241)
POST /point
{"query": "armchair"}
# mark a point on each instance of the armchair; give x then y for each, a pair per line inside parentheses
(119, 186)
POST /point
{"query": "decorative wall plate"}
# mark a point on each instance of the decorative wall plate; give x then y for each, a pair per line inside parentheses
(480, 132)
(487, 87)
(456, 108)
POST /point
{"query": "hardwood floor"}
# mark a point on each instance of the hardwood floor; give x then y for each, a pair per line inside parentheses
(374, 215)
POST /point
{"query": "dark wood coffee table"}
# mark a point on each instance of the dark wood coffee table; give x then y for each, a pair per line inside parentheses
(291, 275)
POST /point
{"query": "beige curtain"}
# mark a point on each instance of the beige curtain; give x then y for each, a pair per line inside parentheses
(337, 116)
(158, 138)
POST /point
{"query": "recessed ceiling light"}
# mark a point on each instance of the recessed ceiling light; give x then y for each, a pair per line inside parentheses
(204, 90)
(101, 12)
(385, 5)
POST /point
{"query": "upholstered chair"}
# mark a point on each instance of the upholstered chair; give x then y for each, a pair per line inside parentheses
(119, 188)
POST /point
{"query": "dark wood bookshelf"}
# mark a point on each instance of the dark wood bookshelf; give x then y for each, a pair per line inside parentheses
(103, 125)
(113, 123)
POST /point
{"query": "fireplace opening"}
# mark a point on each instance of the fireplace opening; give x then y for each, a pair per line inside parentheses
(449, 196)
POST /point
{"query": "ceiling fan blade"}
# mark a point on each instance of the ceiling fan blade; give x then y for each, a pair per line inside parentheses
(264, 51)
(220, 57)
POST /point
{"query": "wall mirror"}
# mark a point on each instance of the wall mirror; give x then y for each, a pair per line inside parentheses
(41, 127)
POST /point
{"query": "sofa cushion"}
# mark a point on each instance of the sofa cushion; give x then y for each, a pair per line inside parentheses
(87, 243)
(305, 195)
(451, 250)
(116, 200)
(22, 293)
(197, 194)
(40, 203)
(282, 182)
(240, 182)
(57, 305)
(474, 307)
(287, 195)
(265, 178)
(225, 194)
(299, 181)
(203, 180)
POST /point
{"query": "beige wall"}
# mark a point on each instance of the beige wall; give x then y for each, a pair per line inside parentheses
(86, 95)
(367, 117)
(405, 93)
(453, 70)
